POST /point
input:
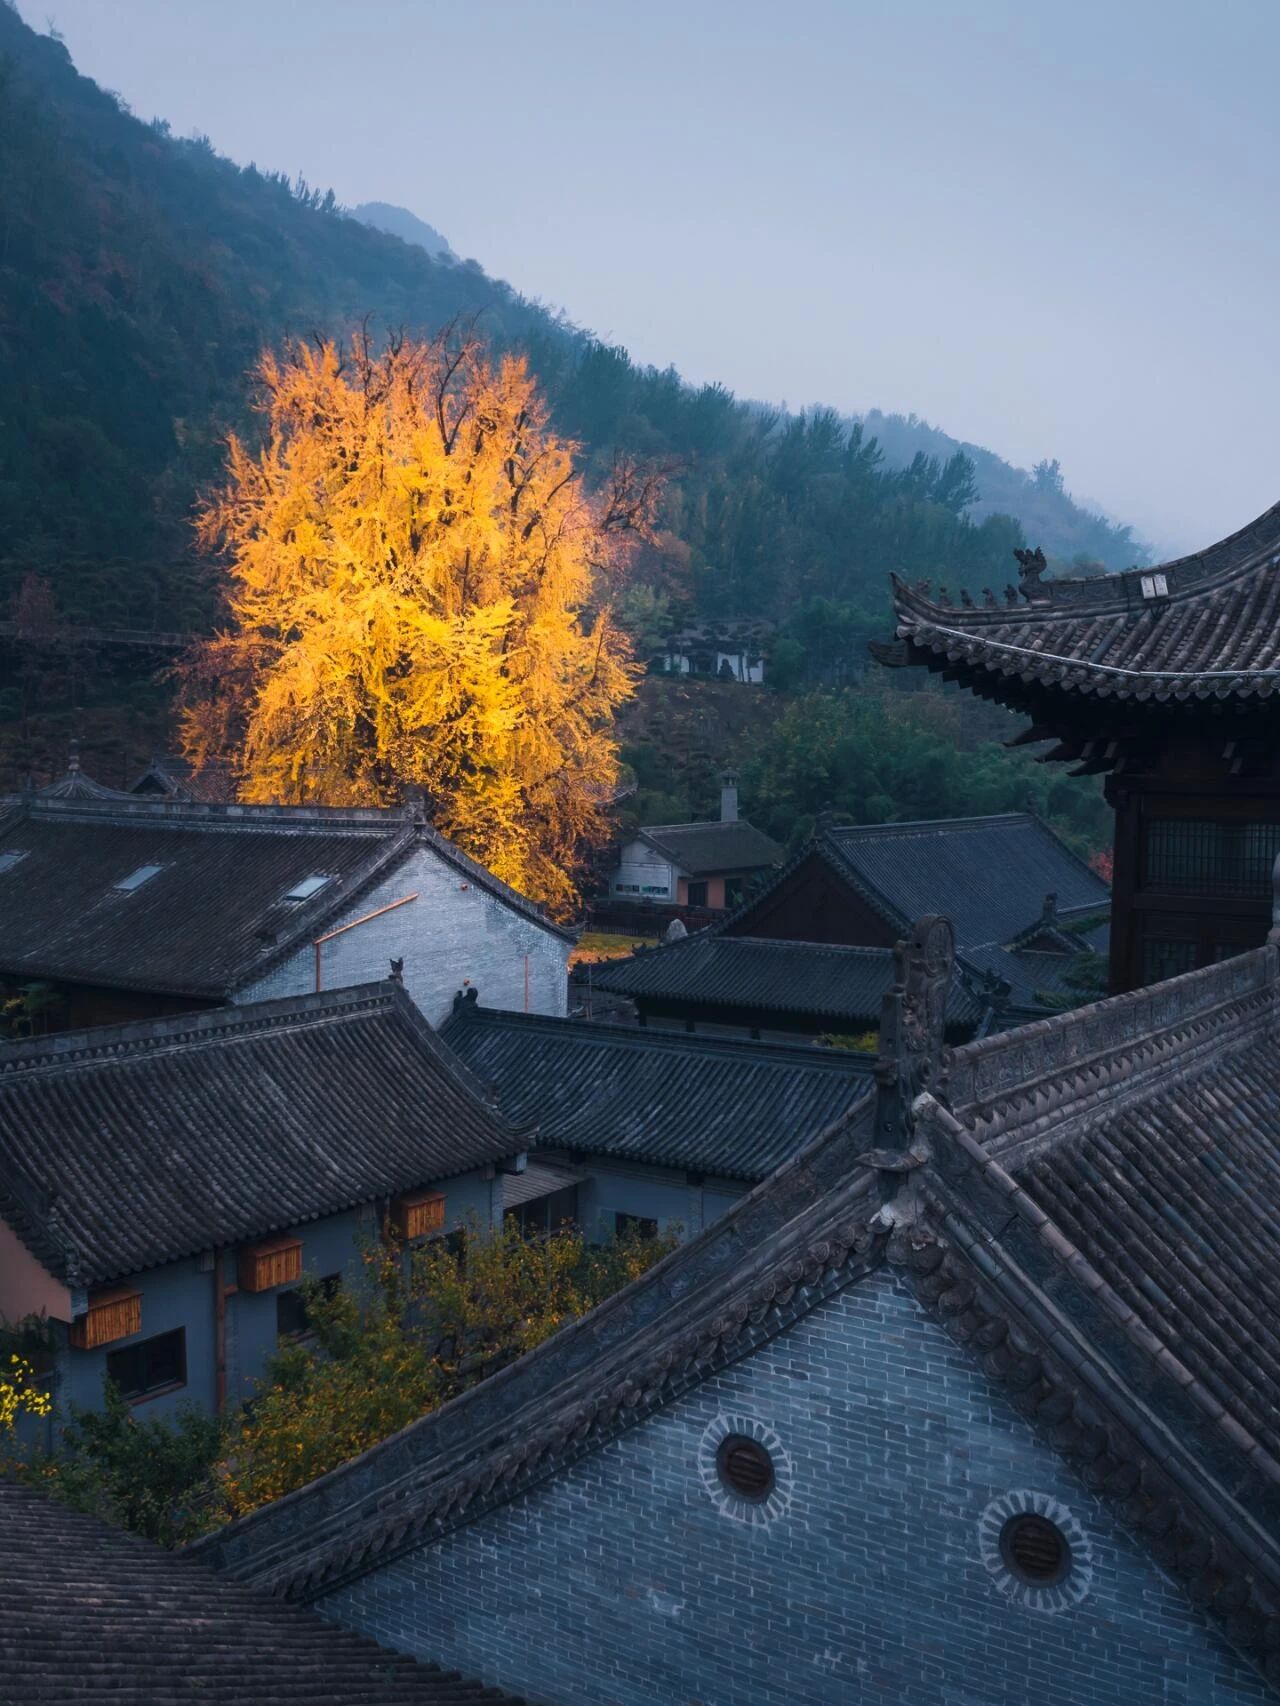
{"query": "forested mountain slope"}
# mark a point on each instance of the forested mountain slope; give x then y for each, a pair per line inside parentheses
(140, 275)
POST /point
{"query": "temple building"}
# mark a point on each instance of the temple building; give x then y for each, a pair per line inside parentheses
(696, 865)
(810, 949)
(115, 907)
(656, 1130)
(166, 1186)
(974, 1398)
(1166, 680)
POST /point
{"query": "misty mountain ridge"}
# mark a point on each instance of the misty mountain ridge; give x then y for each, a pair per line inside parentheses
(399, 222)
(1072, 531)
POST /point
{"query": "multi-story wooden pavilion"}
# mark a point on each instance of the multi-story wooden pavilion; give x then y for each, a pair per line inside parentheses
(1168, 680)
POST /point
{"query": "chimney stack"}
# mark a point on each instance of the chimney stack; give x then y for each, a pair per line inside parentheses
(729, 797)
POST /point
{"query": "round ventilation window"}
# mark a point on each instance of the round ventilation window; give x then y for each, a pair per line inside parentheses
(745, 1467)
(1035, 1550)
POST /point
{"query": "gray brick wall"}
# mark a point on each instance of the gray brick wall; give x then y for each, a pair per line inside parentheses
(453, 933)
(624, 1582)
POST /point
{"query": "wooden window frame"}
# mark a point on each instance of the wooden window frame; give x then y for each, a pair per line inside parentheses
(269, 1263)
(113, 1314)
(418, 1214)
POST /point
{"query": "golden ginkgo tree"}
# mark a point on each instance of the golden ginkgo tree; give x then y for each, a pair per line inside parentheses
(419, 592)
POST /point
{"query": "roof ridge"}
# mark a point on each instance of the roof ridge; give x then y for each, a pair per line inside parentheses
(647, 1036)
(220, 814)
(1085, 1273)
(1109, 1048)
(447, 849)
(1196, 572)
(452, 1062)
(870, 829)
(102, 1044)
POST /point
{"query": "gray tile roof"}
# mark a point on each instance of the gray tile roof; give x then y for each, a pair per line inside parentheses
(1088, 1204)
(214, 917)
(988, 875)
(737, 1109)
(132, 1145)
(1161, 1162)
(93, 1616)
(1212, 633)
(761, 974)
(538, 1179)
(705, 849)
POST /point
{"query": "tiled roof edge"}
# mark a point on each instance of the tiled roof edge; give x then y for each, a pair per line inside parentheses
(1238, 554)
(1065, 1387)
(437, 1045)
(139, 1036)
(217, 813)
(652, 1036)
(1026, 1079)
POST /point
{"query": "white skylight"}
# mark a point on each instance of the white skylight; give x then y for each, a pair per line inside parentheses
(9, 860)
(308, 886)
(135, 879)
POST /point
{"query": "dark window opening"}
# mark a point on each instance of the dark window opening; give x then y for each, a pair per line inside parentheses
(153, 1365)
(1195, 856)
(1035, 1549)
(745, 1467)
(697, 894)
(637, 1225)
(293, 1320)
(1161, 959)
(557, 1212)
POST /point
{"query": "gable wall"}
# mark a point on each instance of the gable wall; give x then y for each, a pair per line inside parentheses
(665, 1194)
(641, 871)
(622, 1581)
(813, 905)
(454, 933)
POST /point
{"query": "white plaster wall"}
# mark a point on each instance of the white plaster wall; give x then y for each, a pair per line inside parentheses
(453, 935)
(640, 867)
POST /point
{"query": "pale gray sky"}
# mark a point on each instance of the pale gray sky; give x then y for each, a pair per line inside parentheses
(1049, 228)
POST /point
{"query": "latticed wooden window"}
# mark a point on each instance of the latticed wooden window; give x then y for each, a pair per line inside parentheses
(271, 1262)
(1195, 856)
(417, 1214)
(112, 1315)
(1161, 960)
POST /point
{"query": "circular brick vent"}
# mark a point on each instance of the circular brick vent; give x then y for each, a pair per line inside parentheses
(745, 1467)
(1036, 1550)
(746, 1470)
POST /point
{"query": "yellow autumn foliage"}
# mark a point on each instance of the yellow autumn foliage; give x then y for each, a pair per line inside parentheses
(413, 559)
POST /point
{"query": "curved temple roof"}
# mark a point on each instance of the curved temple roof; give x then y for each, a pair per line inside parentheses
(1202, 627)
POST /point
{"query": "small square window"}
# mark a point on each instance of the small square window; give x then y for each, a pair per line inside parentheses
(135, 879)
(1155, 586)
(153, 1365)
(306, 888)
(293, 1320)
(635, 1225)
(9, 860)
